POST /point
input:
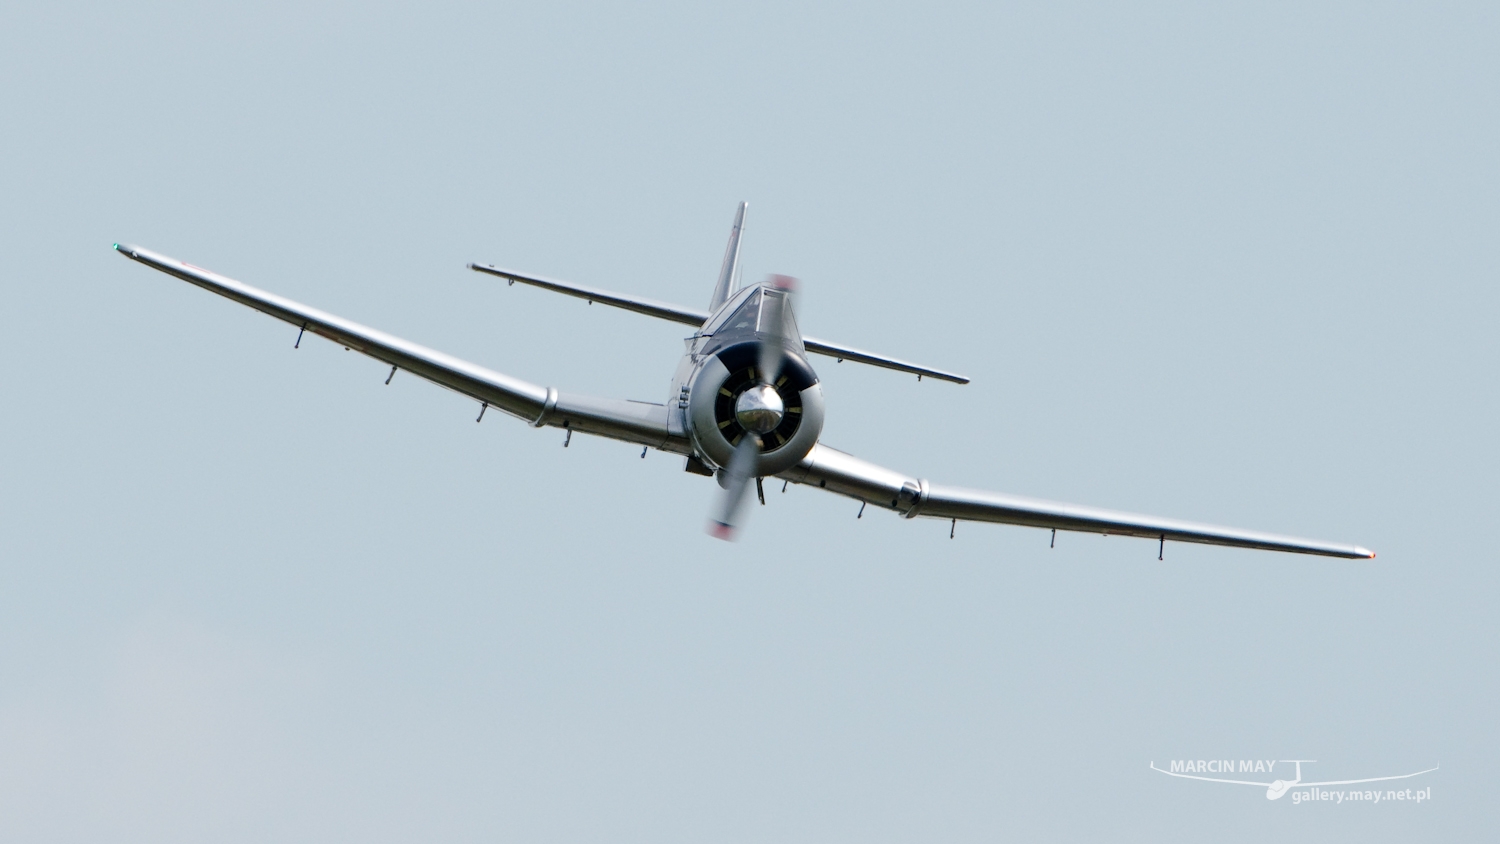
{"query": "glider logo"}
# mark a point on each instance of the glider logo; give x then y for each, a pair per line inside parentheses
(1193, 768)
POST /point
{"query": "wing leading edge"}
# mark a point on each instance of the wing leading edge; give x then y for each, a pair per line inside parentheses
(637, 422)
(833, 470)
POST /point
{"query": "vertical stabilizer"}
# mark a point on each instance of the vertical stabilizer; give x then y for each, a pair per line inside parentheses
(731, 269)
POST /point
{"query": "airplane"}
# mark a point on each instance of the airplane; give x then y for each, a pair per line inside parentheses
(1277, 788)
(744, 404)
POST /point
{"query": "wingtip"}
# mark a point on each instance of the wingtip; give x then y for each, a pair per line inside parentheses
(950, 377)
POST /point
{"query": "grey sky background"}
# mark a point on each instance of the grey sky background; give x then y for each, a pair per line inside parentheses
(1231, 263)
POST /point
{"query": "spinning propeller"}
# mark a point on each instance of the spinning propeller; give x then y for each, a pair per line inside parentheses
(758, 409)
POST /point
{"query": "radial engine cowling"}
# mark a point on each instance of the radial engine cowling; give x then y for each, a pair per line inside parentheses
(716, 393)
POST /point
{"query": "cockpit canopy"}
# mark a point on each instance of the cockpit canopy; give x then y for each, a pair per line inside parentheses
(746, 317)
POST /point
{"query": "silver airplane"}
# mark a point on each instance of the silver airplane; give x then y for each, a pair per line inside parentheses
(744, 405)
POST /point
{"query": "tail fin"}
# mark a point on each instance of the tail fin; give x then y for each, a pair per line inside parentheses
(730, 272)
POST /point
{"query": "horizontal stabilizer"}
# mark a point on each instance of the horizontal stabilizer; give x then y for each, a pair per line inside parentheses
(696, 318)
(641, 305)
(833, 350)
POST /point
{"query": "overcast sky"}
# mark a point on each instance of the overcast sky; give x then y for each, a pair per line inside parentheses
(1228, 263)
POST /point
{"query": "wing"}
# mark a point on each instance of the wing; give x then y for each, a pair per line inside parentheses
(638, 422)
(1210, 779)
(1371, 779)
(697, 318)
(833, 470)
